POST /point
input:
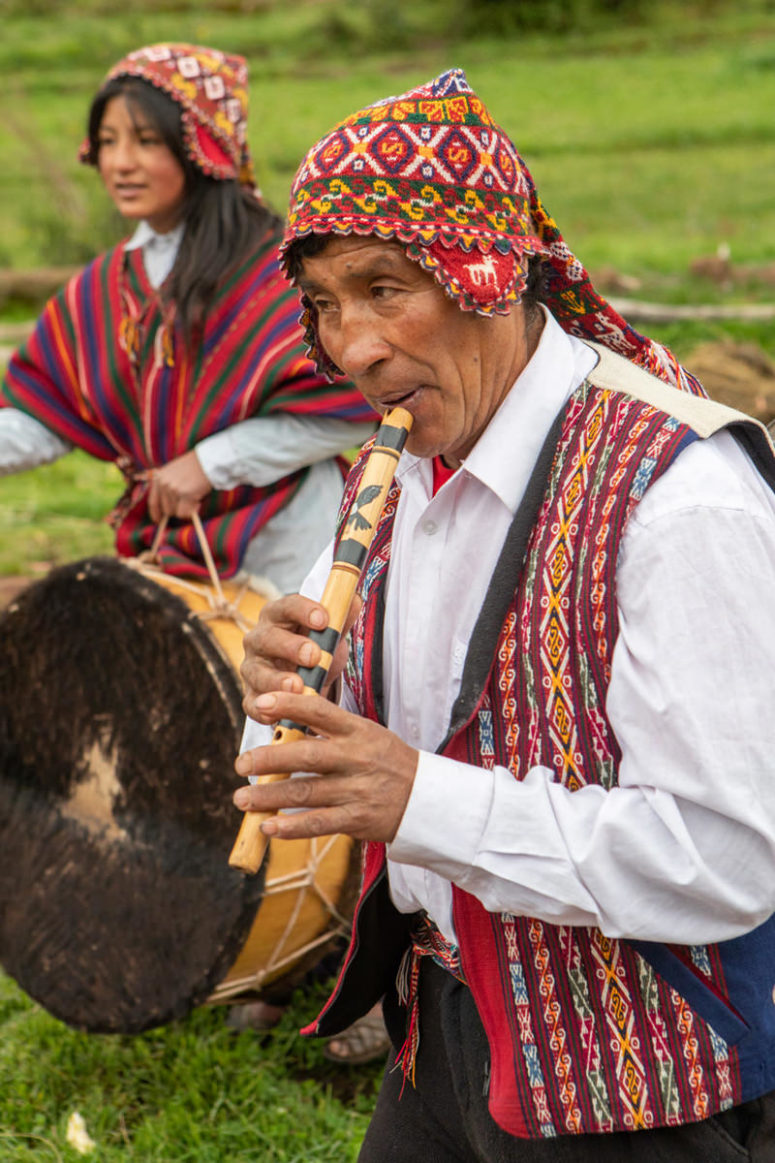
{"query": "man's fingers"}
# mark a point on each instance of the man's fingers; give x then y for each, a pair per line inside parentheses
(301, 793)
(317, 807)
(280, 641)
(310, 753)
(259, 678)
(309, 710)
(294, 611)
(297, 649)
(326, 822)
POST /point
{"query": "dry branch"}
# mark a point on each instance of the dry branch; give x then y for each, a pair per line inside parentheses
(634, 309)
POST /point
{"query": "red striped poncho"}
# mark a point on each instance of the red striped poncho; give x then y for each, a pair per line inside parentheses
(106, 368)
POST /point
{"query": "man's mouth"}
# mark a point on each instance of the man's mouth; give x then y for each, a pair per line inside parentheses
(398, 400)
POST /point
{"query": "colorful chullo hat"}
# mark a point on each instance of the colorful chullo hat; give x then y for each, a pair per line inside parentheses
(432, 170)
(211, 88)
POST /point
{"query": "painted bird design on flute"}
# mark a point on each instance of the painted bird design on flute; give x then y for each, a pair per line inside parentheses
(356, 519)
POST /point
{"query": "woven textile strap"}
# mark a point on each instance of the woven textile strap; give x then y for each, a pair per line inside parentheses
(427, 941)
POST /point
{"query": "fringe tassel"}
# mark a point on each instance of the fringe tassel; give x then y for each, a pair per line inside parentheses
(164, 346)
(407, 988)
(129, 337)
(427, 941)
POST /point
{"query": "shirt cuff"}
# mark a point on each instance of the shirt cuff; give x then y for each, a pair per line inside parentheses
(216, 457)
(458, 799)
(26, 443)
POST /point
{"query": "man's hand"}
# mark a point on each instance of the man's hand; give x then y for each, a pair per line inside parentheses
(175, 489)
(366, 772)
(279, 644)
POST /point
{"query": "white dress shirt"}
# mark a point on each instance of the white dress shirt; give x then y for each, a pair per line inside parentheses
(257, 451)
(683, 850)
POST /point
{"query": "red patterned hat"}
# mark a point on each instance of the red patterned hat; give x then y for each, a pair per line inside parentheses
(211, 88)
(431, 169)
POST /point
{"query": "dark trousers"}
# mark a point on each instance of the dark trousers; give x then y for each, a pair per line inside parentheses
(445, 1119)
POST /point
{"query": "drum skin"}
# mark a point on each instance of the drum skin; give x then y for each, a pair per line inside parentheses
(120, 717)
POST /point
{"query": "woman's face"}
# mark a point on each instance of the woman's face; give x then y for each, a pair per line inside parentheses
(141, 174)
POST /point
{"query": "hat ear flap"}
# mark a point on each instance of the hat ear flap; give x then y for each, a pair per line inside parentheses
(487, 281)
(214, 159)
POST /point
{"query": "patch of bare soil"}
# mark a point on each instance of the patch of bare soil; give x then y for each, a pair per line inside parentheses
(10, 587)
(738, 374)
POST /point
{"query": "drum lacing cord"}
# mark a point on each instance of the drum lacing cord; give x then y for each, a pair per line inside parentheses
(298, 881)
(220, 606)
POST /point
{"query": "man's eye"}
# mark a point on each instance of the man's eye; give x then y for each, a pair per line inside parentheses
(324, 306)
(383, 291)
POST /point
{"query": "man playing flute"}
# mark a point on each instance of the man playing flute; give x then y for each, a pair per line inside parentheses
(554, 729)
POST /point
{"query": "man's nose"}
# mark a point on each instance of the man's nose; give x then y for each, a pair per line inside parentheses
(362, 344)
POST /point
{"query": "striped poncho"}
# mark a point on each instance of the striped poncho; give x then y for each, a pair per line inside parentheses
(107, 369)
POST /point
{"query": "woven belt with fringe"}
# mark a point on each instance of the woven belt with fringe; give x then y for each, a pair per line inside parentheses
(427, 941)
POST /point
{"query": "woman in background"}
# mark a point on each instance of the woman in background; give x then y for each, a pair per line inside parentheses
(178, 354)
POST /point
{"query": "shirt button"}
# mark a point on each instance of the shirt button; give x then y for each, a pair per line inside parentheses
(430, 528)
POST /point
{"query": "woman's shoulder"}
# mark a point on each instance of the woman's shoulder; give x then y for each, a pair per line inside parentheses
(261, 270)
(97, 266)
(78, 292)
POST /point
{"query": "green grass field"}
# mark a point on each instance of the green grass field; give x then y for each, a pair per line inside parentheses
(190, 1092)
(652, 144)
(651, 141)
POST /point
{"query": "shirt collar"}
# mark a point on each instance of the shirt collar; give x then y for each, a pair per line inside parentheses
(145, 236)
(505, 454)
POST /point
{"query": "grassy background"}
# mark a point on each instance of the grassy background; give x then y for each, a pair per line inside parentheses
(190, 1092)
(652, 140)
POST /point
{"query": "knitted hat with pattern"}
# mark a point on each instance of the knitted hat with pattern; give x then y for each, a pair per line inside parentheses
(432, 170)
(211, 88)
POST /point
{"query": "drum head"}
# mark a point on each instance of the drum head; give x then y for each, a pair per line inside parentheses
(119, 723)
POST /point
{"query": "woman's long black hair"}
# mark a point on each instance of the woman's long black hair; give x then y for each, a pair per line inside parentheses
(224, 221)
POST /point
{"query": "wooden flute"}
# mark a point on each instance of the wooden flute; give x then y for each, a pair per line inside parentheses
(349, 559)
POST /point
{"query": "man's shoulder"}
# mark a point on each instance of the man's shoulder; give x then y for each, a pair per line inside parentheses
(704, 416)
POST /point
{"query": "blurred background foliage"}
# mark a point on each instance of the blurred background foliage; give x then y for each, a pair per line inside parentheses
(648, 125)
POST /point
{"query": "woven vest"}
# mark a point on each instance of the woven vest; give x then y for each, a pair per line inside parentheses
(587, 1034)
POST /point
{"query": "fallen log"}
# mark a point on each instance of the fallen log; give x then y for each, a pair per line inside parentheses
(33, 285)
(636, 310)
(15, 333)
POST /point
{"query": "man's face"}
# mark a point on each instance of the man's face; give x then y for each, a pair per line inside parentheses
(393, 331)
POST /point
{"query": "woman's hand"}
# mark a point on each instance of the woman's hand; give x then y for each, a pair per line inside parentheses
(175, 489)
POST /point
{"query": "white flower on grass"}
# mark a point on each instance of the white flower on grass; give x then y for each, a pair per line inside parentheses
(77, 1135)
